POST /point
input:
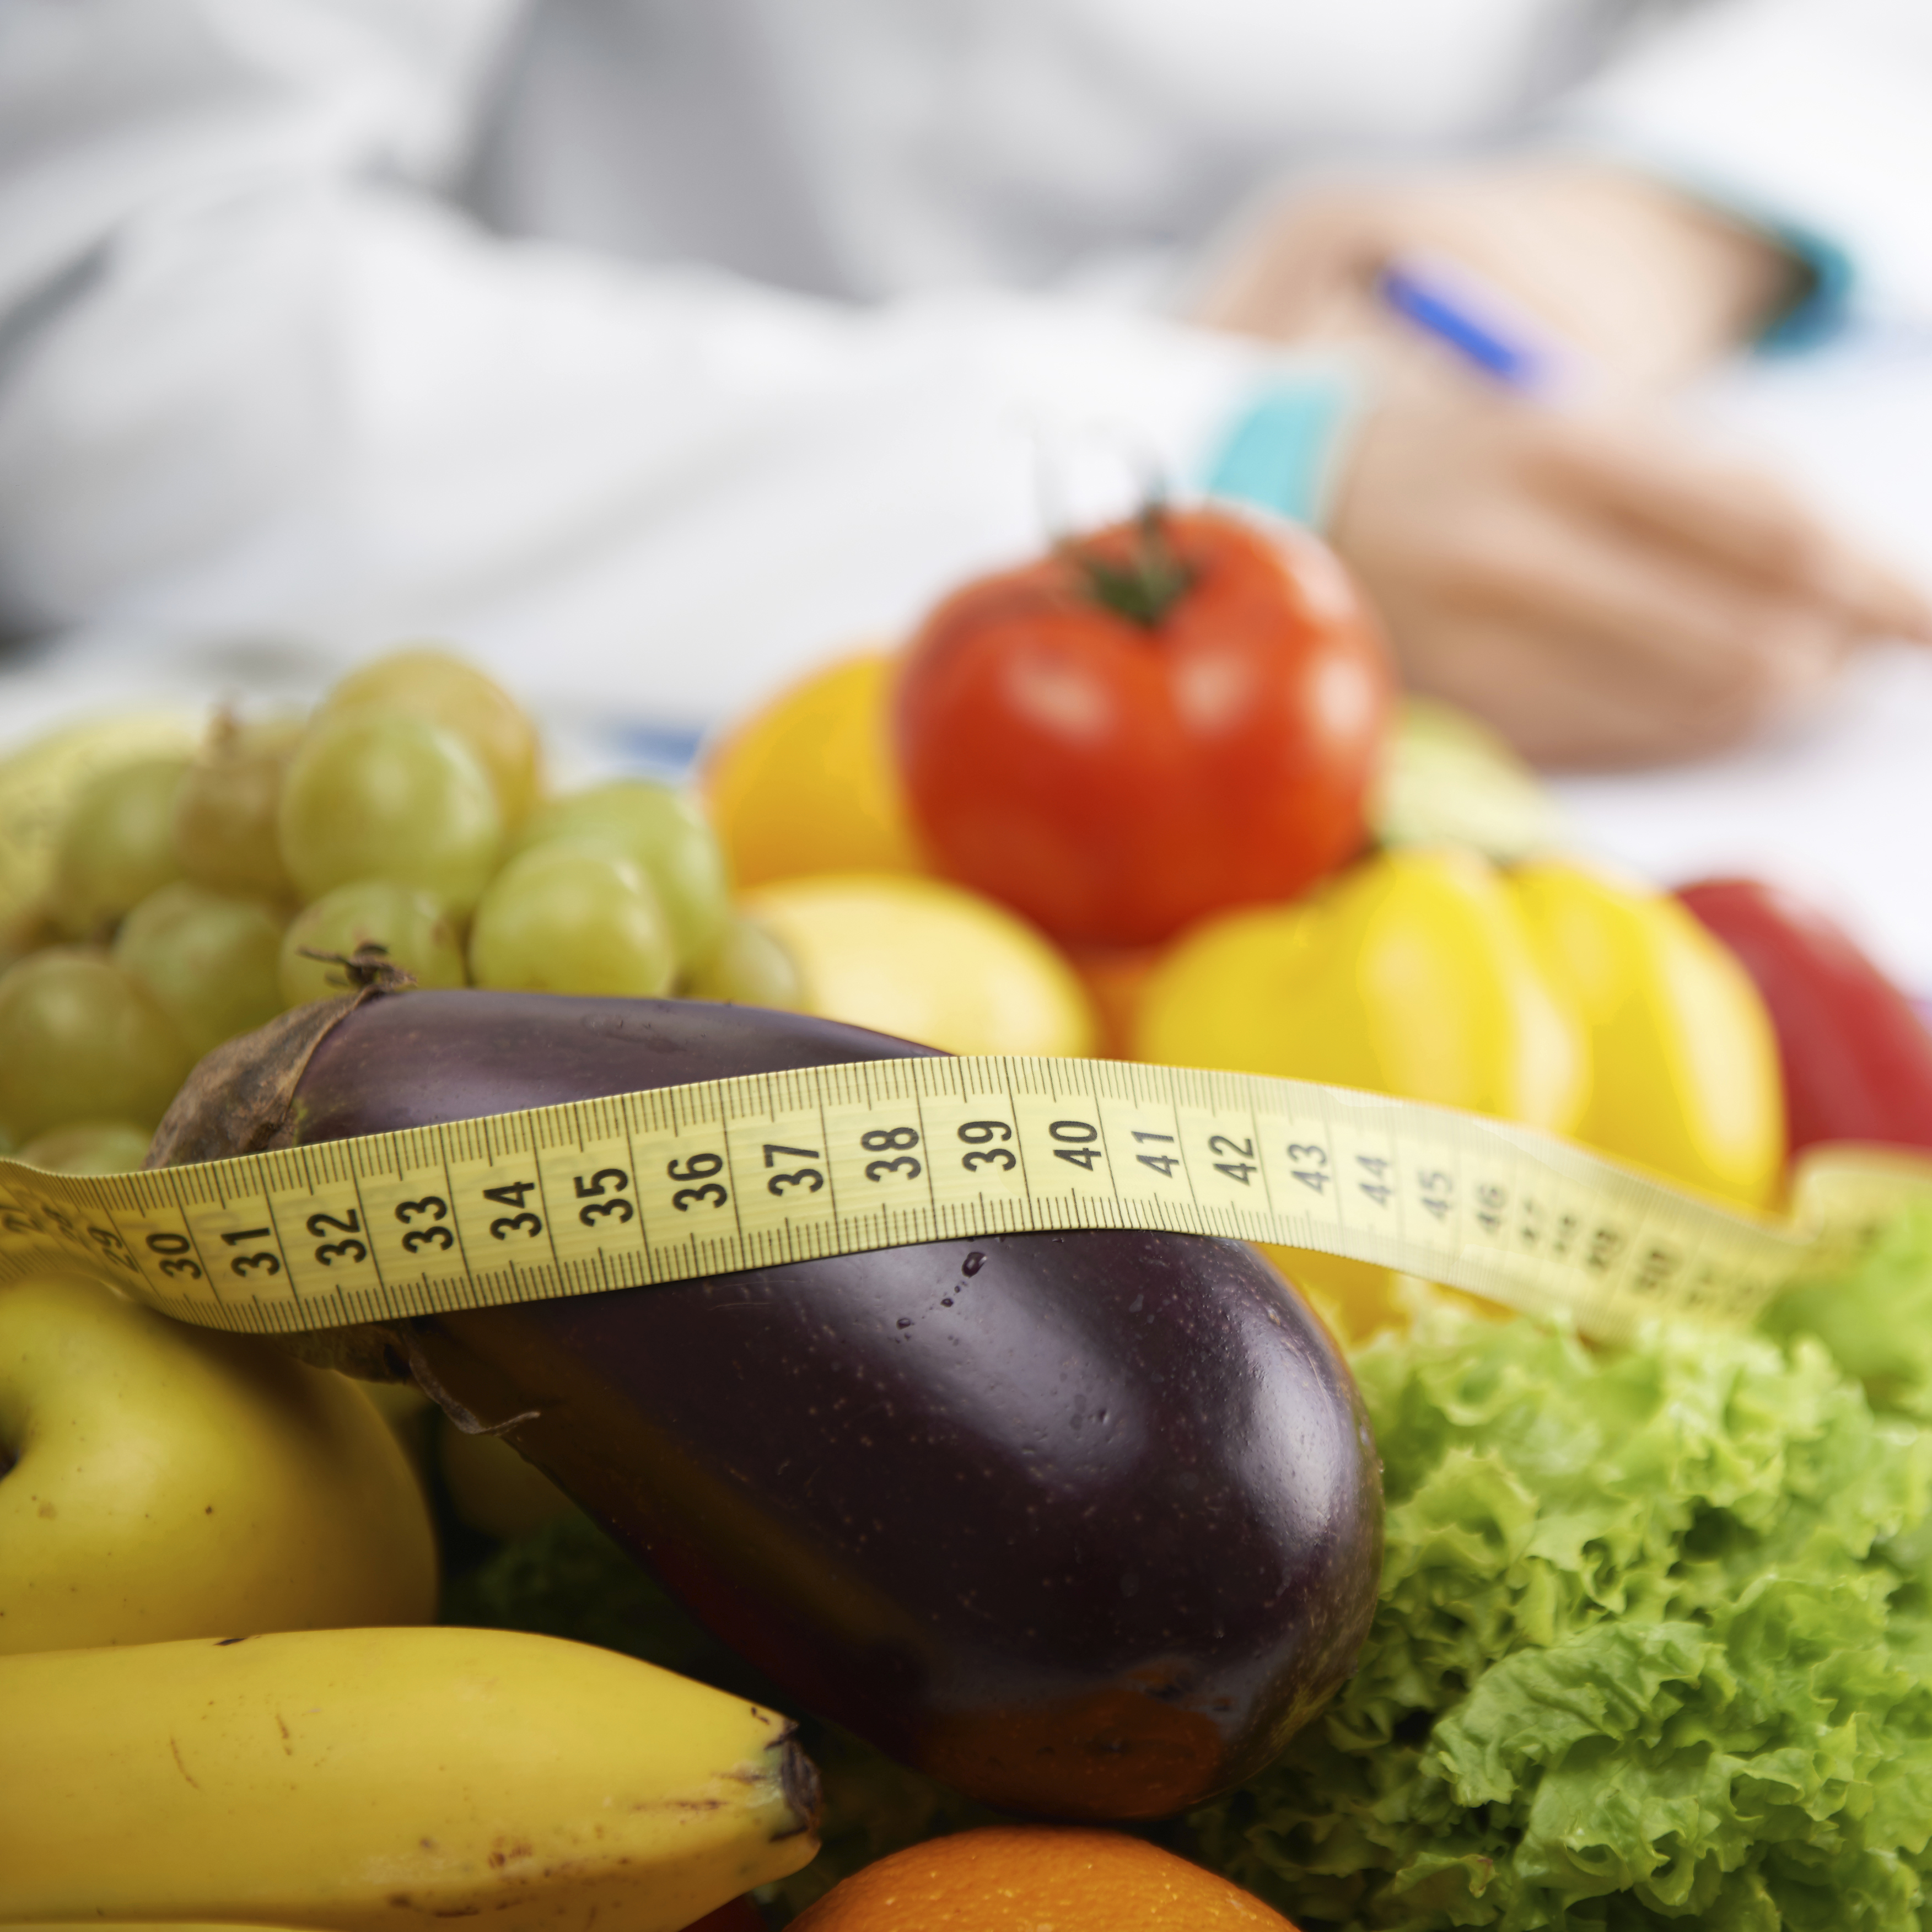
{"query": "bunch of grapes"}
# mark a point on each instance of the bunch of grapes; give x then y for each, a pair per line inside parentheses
(194, 899)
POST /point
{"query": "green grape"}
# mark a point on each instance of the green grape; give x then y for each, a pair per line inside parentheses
(750, 967)
(573, 916)
(116, 847)
(428, 682)
(82, 1040)
(224, 825)
(410, 926)
(211, 961)
(383, 795)
(664, 832)
(89, 1147)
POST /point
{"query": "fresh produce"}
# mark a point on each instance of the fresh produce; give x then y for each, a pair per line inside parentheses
(1653, 1650)
(116, 845)
(572, 916)
(425, 681)
(375, 794)
(490, 1487)
(665, 836)
(809, 782)
(1447, 778)
(39, 782)
(409, 924)
(1877, 1319)
(1084, 1524)
(1856, 1058)
(225, 812)
(1020, 1878)
(82, 1040)
(1685, 1076)
(360, 1780)
(1413, 973)
(210, 960)
(160, 1481)
(748, 966)
(1156, 722)
(89, 1147)
(924, 959)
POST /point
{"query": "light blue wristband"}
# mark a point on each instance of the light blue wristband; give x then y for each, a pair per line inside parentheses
(1282, 452)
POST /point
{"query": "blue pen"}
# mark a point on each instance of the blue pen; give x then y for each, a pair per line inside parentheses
(1477, 322)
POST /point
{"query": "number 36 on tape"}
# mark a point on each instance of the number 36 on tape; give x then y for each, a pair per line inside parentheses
(681, 1182)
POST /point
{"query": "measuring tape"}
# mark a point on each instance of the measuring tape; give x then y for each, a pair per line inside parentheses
(681, 1182)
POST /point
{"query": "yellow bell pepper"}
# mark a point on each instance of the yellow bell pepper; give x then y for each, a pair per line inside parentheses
(1687, 1082)
(1552, 995)
(1412, 973)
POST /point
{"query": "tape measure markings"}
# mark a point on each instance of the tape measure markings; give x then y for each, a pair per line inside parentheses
(716, 1177)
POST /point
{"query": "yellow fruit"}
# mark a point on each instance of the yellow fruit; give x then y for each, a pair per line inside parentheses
(927, 961)
(1036, 1878)
(1411, 974)
(807, 783)
(1358, 1300)
(1687, 1081)
(361, 1779)
(163, 1481)
(491, 1487)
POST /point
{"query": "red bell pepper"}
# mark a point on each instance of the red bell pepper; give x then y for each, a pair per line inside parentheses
(1857, 1058)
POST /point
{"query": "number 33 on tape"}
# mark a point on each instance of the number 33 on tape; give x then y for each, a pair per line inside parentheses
(677, 1183)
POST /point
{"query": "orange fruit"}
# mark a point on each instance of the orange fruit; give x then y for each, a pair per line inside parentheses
(808, 782)
(1028, 1878)
(1115, 977)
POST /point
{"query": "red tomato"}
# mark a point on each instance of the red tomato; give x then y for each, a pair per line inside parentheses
(1166, 718)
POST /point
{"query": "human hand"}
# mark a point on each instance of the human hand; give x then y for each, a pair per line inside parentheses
(1600, 588)
(1648, 284)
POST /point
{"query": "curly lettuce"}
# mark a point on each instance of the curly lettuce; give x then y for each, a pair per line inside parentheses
(1653, 1649)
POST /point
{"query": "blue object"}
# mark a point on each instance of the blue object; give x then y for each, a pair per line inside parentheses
(1278, 454)
(1447, 306)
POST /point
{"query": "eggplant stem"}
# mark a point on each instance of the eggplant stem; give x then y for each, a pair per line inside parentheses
(368, 969)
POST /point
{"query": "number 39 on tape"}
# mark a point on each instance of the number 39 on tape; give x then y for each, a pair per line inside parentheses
(678, 1183)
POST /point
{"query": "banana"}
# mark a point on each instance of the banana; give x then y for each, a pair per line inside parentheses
(390, 1779)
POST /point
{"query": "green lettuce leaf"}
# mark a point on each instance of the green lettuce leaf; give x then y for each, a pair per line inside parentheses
(1652, 1650)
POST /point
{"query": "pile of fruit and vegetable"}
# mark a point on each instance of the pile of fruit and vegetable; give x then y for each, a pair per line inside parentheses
(1103, 1578)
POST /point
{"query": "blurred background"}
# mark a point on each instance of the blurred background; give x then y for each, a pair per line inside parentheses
(651, 351)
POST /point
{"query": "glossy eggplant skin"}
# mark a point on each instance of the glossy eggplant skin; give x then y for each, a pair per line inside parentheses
(1084, 1525)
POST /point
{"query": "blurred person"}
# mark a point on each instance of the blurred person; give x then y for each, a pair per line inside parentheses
(346, 311)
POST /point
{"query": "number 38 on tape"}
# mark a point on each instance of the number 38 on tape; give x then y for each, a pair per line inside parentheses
(681, 1182)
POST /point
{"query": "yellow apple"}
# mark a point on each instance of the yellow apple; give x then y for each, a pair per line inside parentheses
(158, 1481)
(491, 1487)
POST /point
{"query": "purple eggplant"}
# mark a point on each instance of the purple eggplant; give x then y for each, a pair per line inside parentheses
(1085, 1525)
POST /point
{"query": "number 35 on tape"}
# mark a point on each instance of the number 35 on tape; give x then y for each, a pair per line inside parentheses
(678, 1183)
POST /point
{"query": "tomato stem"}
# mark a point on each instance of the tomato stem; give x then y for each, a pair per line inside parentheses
(1144, 588)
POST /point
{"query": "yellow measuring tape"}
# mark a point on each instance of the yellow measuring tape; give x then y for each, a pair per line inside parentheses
(681, 1182)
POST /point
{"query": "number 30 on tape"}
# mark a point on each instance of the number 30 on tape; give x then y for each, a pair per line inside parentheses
(680, 1182)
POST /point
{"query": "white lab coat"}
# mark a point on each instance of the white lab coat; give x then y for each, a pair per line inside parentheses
(367, 317)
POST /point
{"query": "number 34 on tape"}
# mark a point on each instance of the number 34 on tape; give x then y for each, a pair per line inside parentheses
(678, 1183)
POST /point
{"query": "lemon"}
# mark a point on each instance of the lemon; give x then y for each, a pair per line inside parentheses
(807, 783)
(927, 961)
